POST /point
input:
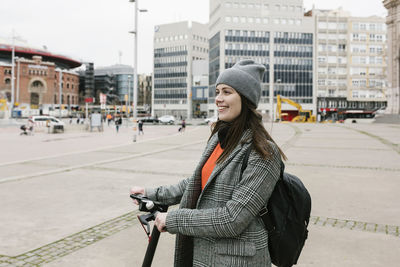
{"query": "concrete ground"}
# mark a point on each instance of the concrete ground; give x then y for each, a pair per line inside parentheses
(65, 197)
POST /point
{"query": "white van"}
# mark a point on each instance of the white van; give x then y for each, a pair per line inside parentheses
(41, 122)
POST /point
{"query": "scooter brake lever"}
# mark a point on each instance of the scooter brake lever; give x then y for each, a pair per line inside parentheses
(144, 220)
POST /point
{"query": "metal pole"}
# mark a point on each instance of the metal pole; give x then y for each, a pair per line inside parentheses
(60, 94)
(135, 82)
(128, 106)
(271, 75)
(18, 74)
(12, 75)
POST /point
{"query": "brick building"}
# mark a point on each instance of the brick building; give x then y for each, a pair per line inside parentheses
(37, 81)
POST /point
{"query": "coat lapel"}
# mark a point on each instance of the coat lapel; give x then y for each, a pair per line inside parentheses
(193, 191)
(219, 167)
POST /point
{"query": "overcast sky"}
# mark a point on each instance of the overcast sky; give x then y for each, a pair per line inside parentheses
(97, 30)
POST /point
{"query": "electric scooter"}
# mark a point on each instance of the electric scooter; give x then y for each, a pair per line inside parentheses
(153, 207)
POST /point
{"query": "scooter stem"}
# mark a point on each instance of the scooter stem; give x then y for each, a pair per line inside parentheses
(151, 248)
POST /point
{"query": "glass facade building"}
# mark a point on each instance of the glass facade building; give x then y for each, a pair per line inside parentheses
(293, 65)
(276, 34)
(115, 81)
(176, 46)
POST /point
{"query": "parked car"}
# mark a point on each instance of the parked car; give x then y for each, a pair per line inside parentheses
(48, 121)
(211, 119)
(150, 119)
(167, 119)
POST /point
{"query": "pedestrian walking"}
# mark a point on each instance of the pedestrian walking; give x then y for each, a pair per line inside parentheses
(183, 126)
(118, 122)
(217, 223)
(109, 118)
(140, 126)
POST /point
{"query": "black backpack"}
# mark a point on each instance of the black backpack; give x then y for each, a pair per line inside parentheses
(286, 218)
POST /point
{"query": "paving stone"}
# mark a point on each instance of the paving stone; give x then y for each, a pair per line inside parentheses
(371, 227)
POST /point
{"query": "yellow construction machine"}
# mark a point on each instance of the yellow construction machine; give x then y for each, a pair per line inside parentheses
(304, 115)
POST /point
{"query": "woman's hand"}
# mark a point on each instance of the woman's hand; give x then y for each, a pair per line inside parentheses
(137, 190)
(160, 221)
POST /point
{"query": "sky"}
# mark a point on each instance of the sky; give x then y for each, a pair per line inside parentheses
(98, 30)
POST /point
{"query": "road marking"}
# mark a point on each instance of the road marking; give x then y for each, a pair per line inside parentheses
(293, 139)
(100, 162)
(384, 141)
(342, 166)
(94, 149)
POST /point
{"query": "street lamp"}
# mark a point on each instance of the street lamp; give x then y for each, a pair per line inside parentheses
(128, 106)
(12, 75)
(135, 81)
(18, 59)
(60, 93)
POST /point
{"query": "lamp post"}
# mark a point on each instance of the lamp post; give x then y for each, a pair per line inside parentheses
(60, 93)
(134, 79)
(18, 76)
(128, 106)
(12, 75)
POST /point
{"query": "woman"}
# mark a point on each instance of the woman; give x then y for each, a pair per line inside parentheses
(217, 223)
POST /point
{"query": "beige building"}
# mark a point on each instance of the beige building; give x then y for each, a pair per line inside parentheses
(393, 24)
(351, 62)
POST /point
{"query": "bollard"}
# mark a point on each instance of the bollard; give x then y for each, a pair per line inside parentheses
(135, 128)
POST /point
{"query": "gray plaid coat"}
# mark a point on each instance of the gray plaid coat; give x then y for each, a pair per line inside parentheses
(219, 226)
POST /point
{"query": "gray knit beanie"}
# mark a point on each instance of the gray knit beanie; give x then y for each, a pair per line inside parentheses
(245, 77)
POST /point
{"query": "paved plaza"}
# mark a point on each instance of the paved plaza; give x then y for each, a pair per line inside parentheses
(65, 197)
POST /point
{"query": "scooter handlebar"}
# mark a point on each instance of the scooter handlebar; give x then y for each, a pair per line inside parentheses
(148, 205)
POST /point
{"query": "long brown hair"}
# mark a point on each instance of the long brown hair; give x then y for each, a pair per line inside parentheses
(249, 118)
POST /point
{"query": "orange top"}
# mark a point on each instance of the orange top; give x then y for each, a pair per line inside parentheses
(210, 164)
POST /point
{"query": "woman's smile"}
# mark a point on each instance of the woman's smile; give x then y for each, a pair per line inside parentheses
(228, 102)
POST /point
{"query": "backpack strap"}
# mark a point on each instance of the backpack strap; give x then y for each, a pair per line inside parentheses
(264, 211)
(265, 216)
(246, 159)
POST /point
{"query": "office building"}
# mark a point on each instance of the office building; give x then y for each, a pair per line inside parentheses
(116, 82)
(176, 46)
(145, 92)
(200, 88)
(351, 62)
(393, 26)
(274, 33)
